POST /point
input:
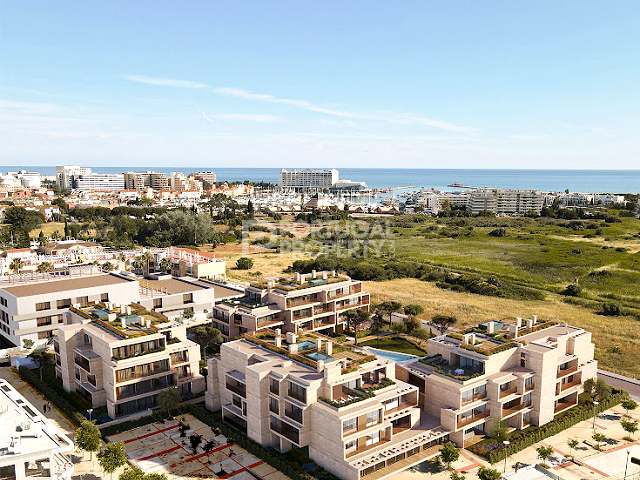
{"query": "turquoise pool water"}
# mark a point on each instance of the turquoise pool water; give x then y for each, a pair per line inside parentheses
(389, 355)
(306, 345)
(319, 356)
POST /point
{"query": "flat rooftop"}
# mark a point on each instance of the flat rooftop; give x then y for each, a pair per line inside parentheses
(221, 292)
(171, 286)
(52, 286)
(553, 331)
(26, 427)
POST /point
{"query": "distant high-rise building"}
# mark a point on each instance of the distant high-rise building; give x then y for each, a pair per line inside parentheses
(65, 175)
(142, 180)
(308, 179)
(99, 181)
(208, 179)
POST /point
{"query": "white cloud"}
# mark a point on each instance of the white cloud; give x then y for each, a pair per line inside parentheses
(384, 117)
(241, 117)
(165, 82)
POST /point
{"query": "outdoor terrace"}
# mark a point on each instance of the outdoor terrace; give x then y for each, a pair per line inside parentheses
(440, 365)
(125, 322)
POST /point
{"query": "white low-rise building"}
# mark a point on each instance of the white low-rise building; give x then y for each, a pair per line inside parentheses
(31, 446)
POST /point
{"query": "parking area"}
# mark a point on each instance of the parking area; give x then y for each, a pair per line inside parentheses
(162, 448)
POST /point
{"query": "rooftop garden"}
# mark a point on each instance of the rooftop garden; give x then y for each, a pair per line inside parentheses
(290, 284)
(442, 366)
(139, 323)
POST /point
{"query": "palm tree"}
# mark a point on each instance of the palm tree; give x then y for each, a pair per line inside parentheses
(16, 265)
(45, 267)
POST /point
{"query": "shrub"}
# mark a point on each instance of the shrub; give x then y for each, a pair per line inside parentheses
(572, 290)
(610, 310)
(520, 439)
(244, 263)
(498, 232)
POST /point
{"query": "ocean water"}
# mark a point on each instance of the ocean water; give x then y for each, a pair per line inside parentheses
(612, 181)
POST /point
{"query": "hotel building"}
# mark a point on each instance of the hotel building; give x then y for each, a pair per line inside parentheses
(302, 303)
(345, 405)
(308, 179)
(32, 446)
(518, 374)
(122, 357)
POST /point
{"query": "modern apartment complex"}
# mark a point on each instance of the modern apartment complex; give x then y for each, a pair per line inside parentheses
(519, 374)
(66, 174)
(98, 181)
(302, 303)
(32, 310)
(142, 180)
(363, 416)
(32, 446)
(505, 201)
(346, 406)
(308, 179)
(123, 356)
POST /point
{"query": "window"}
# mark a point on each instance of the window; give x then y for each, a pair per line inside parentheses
(528, 383)
(373, 418)
(83, 301)
(43, 321)
(373, 438)
(350, 424)
(64, 303)
(77, 374)
(45, 335)
(43, 306)
(237, 401)
(298, 392)
(157, 303)
(293, 412)
(104, 297)
(3, 301)
(274, 386)
(274, 406)
(187, 298)
(350, 445)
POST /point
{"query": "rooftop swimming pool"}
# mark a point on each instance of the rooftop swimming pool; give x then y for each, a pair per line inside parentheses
(306, 345)
(319, 356)
(393, 356)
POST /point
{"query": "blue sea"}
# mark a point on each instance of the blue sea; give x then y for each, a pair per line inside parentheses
(612, 181)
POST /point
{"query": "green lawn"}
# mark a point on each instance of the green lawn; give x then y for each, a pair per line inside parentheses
(394, 344)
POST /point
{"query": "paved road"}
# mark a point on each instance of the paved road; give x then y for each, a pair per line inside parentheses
(631, 385)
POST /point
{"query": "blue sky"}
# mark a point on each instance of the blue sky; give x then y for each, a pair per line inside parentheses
(463, 84)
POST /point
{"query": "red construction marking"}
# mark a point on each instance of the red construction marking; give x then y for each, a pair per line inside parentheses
(233, 474)
(257, 464)
(203, 454)
(467, 468)
(159, 454)
(151, 434)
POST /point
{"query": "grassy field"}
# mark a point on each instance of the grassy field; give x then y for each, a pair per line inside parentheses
(619, 334)
(48, 229)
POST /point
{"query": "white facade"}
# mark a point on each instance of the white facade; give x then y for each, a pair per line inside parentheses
(65, 175)
(99, 181)
(33, 447)
(308, 179)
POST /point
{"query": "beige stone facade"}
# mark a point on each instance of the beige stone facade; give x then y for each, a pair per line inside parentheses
(518, 375)
(303, 303)
(122, 357)
(345, 405)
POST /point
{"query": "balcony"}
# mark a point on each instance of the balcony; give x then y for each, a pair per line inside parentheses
(302, 315)
(561, 406)
(509, 391)
(304, 300)
(286, 430)
(474, 418)
(567, 371)
(236, 387)
(474, 398)
(352, 305)
(320, 309)
(565, 386)
(515, 408)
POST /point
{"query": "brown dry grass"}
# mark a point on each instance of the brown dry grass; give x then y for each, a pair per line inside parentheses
(608, 332)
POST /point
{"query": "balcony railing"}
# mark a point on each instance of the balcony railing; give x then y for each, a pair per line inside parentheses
(567, 371)
(563, 406)
(296, 302)
(285, 430)
(566, 386)
(352, 305)
(505, 393)
(466, 421)
(236, 387)
(516, 408)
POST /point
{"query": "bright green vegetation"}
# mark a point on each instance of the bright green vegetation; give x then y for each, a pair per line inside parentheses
(395, 344)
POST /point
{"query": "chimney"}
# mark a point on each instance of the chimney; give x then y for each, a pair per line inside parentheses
(270, 284)
(127, 309)
(278, 341)
(491, 327)
(518, 322)
(333, 273)
(318, 344)
(535, 319)
(298, 276)
(320, 365)
(291, 337)
(313, 274)
(293, 348)
(329, 347)
(530, 322)
(469, 339)
(123, 309)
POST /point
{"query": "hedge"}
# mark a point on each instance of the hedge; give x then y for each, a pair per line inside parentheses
(521, 439)
(60, 399)
(277, 460)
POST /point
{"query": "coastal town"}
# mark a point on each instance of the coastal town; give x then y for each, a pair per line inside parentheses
(165, 352)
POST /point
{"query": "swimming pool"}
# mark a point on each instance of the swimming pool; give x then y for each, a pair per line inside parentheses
(306, 345)
(319, 356)
(389, 355)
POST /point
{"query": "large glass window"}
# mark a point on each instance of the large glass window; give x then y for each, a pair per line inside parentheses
(297, 392)
(350, 424)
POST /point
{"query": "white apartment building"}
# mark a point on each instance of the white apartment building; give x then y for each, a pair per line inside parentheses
(308, 179)
(357, 419)
(32, 446)
(123, 356)
(142, 180)
(99, 181)
(504, 201)
(33, 308)
(65, 175)
(519, 374)
(301, 303)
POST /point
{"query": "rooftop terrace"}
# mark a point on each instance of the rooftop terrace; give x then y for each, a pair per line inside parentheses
(301, 281)
(123, 322)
